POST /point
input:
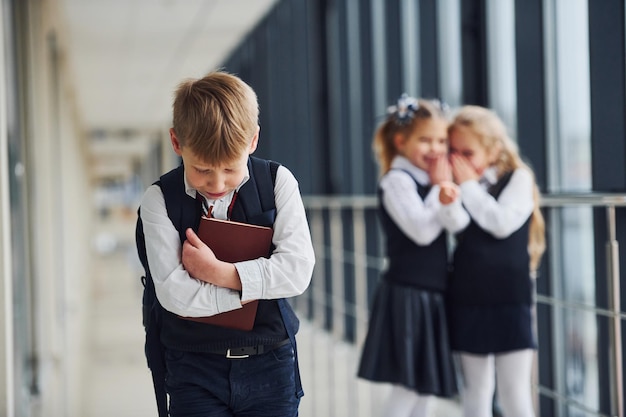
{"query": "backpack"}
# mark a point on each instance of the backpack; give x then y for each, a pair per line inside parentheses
(185, 212)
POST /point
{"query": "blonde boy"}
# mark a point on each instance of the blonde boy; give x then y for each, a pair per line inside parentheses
(212, 370)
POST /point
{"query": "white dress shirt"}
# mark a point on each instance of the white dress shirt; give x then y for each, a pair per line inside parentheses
(286, 273)
(421, 220)
(509, 212)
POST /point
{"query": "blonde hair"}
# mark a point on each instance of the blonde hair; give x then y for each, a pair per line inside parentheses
(383, 144)
(492, 132)
(215, 116)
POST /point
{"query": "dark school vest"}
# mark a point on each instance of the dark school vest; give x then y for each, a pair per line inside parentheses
(488, 270)
(269, 327)
(411, 264)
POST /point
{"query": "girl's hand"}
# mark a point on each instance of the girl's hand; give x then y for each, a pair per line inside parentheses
(462, 170)
(448, 192)
(440, 170)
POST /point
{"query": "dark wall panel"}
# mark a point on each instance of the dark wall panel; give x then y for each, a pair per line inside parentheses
(275, 59)
(474, 52)
(429, 56)
(608, 147)
(393, 45)
(607, 70)
(531, 108)
(369, 118)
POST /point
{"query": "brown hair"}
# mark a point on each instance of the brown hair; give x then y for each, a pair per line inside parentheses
(215, 116)
(383, 144)
(491, 131)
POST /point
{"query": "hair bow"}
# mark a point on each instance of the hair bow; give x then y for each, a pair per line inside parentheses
(405, 110)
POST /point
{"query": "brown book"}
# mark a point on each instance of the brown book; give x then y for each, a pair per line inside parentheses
(234, 242)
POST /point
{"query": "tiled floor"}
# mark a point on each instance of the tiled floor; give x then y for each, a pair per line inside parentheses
(118, 383)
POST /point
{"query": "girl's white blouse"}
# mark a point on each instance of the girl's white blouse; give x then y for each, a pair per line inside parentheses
(509, 212)
(421, 220)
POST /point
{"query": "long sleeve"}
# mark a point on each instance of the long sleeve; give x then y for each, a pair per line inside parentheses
(421, 220)
(453, 216)
(508, 213)
(287, 272)
(417, 218)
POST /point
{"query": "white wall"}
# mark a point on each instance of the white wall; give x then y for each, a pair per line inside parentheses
(6, 317)
(59, 211)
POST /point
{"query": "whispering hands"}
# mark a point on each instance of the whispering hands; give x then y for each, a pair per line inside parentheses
(441, 174)
(462, 170)
(448, 172)
(440, 170)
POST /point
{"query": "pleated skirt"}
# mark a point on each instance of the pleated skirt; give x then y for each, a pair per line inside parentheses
(407, 341)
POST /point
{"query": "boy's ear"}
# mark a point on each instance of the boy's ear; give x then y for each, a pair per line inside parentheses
(255, 141)
(175, 142)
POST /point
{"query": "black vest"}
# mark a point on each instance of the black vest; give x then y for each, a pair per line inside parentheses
(269, 328)
(487, 270)
(409, 263)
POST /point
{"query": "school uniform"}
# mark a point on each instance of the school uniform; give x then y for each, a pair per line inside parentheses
(202, 375)
(490, 289)
(407, 341)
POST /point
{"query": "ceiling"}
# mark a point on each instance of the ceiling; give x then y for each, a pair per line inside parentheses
(126, 57)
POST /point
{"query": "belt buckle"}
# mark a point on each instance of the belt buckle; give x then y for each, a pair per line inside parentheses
(231, 356)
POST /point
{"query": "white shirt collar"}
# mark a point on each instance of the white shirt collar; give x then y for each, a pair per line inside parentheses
(490, 175)
(400, 162)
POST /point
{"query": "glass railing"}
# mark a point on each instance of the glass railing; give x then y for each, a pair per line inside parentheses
(578, 302)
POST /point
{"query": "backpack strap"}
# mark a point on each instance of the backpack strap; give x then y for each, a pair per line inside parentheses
(153, 349)
(263, 172)
(183, 210)
(257, 207)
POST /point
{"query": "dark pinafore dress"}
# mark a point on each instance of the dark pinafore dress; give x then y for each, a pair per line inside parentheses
(490, 290)
(407, 340)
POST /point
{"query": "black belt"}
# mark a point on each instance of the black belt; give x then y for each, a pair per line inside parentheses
(245, 351)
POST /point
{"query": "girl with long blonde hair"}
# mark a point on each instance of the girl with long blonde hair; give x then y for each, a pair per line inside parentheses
(495, 259)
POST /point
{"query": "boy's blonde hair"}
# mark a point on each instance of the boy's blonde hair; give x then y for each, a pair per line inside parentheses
(397, 122)
(215, 116)
(492, 132)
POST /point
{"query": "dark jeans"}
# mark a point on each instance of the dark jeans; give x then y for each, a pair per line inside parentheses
(209, 385)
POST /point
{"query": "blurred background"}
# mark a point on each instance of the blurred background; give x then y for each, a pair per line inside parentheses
(85, 97)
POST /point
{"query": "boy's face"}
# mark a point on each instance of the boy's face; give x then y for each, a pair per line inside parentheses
(213, 181)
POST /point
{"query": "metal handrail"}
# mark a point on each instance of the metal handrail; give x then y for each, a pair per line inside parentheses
(583, 199)
(362, 201)
(609, 201)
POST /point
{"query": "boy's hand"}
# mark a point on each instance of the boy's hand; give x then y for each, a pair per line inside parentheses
(440, 170)
(462, 170)
(200, 262)
(448, 192)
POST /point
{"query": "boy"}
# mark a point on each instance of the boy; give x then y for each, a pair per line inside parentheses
(214, 370)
